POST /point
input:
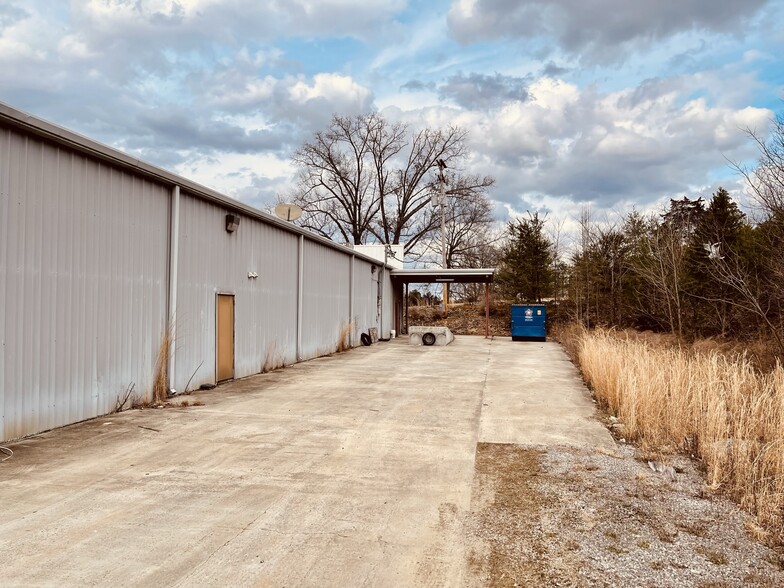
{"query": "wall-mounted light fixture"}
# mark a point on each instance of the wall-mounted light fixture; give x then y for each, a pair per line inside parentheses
(252, 275)
(232, 222)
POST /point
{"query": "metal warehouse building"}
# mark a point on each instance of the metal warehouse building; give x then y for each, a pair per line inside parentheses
(99, 252)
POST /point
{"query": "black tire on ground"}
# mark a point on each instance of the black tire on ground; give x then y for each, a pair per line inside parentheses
(365, 338)
(428, 339)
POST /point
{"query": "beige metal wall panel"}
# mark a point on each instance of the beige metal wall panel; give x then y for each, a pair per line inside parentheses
(325, 308)
(213, 261)
(83, 260)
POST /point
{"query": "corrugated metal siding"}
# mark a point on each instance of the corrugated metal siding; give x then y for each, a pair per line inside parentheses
(325, 301)
(212, 261)
(365, 298)
(83, 261)
(388, 322)
(84, 254)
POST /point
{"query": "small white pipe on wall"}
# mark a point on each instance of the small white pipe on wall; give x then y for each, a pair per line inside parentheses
(174, 242)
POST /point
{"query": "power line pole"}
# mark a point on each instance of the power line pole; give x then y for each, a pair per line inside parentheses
(442, 201)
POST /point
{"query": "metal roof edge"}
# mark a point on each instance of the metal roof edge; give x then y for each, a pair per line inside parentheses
(434, 275)
(484, 271)
(55, 133)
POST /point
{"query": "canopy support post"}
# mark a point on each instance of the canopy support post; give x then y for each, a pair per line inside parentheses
(406, 322)
(487, 310)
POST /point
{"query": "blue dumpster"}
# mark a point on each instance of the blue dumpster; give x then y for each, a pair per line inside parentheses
(529, 322)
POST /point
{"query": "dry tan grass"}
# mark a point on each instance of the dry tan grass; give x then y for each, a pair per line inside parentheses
(160, 383)
(717, 407)
(570, 335)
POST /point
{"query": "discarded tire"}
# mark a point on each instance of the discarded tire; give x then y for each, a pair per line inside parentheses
(365, 338)
(428, 338)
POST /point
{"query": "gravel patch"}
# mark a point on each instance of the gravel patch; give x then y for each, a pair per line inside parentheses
(583, 517)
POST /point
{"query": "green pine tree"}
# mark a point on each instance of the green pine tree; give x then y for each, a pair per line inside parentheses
(716, 235)
(527, 263)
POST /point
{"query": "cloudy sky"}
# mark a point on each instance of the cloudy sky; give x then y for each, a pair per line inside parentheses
(618, 103)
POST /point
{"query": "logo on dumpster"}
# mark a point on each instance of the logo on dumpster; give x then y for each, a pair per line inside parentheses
(529, 313)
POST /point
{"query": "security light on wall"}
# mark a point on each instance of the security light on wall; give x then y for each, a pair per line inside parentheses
(232, 222)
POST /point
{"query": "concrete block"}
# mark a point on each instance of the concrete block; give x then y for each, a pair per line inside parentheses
(443, 335)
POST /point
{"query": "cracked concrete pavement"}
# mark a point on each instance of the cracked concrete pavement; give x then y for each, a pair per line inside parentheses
(349, 470)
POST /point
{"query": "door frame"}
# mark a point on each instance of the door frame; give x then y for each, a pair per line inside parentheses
(233, 334)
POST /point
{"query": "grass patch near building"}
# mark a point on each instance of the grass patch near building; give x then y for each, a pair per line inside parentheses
(717, 407)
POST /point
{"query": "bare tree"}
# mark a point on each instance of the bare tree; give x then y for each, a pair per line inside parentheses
(407, 214)
(766, 182)
(556, 227)
(338, 187)
(766, 179)
(610, 250)
(363, 180)
(581, 277)
(752, 294)
(762, 293)
(659, 262)
(469, 222)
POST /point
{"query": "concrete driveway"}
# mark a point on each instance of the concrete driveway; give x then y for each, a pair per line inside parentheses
(351, 470)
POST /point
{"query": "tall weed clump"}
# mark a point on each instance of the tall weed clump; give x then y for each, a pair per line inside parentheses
(160, 382)
(344, 337)
(714, 406)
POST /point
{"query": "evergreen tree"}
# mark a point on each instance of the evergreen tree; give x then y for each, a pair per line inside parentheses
(716, 234)
(683, 216)
(527, 263)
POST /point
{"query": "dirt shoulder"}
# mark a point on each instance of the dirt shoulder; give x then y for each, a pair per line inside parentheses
(583, 517)
(464, 319)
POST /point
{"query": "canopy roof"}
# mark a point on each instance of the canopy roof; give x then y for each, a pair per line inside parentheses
(449, 276)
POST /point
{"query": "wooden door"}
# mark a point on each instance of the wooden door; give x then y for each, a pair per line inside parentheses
(225, 337)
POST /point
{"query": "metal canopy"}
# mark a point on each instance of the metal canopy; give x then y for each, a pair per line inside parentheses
(446, 276)
(443, 276)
